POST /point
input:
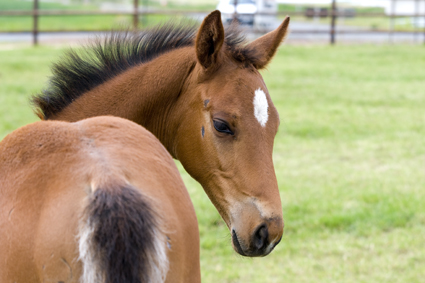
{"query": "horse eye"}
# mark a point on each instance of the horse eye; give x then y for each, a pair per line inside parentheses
(222, 127)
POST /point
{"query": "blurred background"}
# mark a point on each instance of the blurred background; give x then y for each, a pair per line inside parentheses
(312, 20)
(349, 86)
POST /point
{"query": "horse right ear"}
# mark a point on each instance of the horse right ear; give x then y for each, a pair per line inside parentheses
(209, 40)
(266, 46)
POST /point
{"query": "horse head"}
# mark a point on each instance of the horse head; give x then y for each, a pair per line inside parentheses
(227, 133)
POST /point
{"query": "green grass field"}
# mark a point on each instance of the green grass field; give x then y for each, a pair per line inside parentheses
(349, 157)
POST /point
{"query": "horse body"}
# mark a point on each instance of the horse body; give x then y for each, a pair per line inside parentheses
(203, 97)
(78, 199)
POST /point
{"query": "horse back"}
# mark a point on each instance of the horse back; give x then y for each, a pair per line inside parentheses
(49, 171)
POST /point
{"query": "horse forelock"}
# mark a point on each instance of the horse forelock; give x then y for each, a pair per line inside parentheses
(81, 70)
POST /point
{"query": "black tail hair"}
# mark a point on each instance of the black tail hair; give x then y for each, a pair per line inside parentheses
(120, 239)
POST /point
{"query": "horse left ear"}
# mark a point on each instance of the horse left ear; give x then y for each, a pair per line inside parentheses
(266, 46)
(209, 40)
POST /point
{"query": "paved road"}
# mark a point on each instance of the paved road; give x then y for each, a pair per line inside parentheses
(64, 37)
(350, 34)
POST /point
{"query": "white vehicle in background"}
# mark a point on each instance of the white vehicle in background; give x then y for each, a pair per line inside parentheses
(245, 9)
(247, 12)
(267, 21)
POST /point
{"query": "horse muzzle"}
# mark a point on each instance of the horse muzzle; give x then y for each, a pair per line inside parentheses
(261, 241)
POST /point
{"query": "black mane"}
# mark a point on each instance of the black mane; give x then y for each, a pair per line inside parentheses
(79, 72)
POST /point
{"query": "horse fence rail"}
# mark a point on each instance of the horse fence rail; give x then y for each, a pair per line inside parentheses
(138, 12)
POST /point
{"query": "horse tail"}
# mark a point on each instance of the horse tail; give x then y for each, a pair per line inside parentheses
(120, 239)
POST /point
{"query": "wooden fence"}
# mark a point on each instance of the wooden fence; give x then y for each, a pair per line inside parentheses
(334, 13)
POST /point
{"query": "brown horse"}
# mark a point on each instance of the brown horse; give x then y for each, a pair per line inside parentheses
(200, 93)
(110, 182)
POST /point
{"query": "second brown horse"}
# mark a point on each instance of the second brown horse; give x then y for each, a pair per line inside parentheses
(96, 201)
(199, 91)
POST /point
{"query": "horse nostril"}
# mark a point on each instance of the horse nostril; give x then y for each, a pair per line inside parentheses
(261, 236)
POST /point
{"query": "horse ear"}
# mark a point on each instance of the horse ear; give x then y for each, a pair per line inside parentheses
(209, 40)
(266, 46)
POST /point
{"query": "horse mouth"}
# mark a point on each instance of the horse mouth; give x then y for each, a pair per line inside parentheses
(253, 251)
(236, 243)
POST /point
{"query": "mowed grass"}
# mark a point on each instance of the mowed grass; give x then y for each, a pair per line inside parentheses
(349, 158)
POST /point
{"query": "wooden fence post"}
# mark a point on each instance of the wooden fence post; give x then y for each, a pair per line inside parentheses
(333, 20)
(35, 23)
(136, 14)
(235, 12)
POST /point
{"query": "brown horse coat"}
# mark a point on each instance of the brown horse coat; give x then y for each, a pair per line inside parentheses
(100, 199)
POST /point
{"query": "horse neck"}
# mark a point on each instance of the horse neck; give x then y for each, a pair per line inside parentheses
(146, 94)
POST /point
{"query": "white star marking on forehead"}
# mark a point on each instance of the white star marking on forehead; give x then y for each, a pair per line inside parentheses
(261, 107)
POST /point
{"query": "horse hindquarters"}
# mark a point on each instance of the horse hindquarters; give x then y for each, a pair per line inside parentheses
(120, 238)
(47, 198)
